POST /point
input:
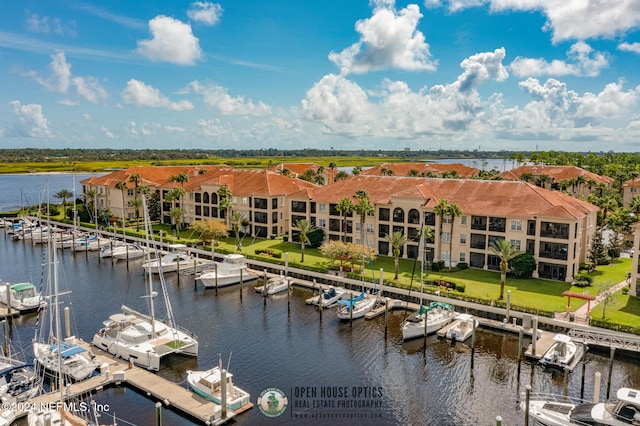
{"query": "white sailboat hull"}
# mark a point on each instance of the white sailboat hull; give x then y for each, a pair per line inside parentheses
(77, 366)
(413, 326)
(361, 308)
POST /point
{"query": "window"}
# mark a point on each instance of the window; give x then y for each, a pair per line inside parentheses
(234, 199)
(463, 257)
(515, 244)
(516, 225)
(369, 228)
(322, 223)
(245, 201)
(445, 256)
(463, 238)
(322, 207)
(281, 201)
(446, 219)
(463, 220)
(446, 237)
(130, 192)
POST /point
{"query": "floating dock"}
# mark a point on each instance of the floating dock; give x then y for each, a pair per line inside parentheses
(116, 372)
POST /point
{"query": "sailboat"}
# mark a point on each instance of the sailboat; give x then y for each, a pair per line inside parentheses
(143, 339)
(359, 306)
(61, 356)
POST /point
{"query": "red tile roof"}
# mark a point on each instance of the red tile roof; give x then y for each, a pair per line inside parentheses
(557, 173)
(239, 181)
(481, 197)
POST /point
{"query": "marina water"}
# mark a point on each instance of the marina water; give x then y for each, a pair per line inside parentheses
(281, 343)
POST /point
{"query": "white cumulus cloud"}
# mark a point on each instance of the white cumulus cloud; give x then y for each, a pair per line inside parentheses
(580, 19)
(61, 80)
(218, 97)
(140, 94)
(630, 47)
(584, 61)
(31, 122)
(205, 12)
(172, 41)
(389, 39)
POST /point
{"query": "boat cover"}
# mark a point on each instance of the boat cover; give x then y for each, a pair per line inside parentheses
(347, 302)
(68, 349)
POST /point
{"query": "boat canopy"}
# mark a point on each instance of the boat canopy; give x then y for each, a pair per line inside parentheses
(68, 349)
(435, 305)
(347, 302)
(22, 286)
(561, 338)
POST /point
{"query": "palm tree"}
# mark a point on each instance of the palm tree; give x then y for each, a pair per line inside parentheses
(90, 200)
(356, 170)
(441, 209)
(397, 240)
(345, 207)
(341, 175)
(634, 205)
(505, 251)
(136, 180)
(64, 195)
(180, 178)
(176, 214)
(413, 173)
(121, 185)
(454, 211)
(172, 196)
(237, 222)
(225, 202)
(304, 227)
(363, 208)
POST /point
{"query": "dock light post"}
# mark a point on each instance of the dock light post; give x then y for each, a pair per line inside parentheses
(158, 414)
(498, 421)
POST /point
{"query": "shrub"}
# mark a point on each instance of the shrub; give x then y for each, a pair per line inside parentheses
(460, 287)
(522, 266)
(285, 238)
(462, 266)
(584, 267)
(625, 290)
(582, 279)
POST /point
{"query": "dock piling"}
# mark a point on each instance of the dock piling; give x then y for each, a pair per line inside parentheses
(527, 397)
(596, 387)
(565, 382)
(8, 290)
(158, 414)
(289, 296)
(67, 322)
(223, 396)
(351, 310)
(498, 421)
(584, 367)
(241, 282)
(611, 356)
(534, 335)
(386, 316)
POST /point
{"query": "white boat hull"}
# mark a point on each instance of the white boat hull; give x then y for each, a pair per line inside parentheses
(207, 384)
(127, 336)
(361, 308)
(77, 367)
(413, 326)
(462, 329)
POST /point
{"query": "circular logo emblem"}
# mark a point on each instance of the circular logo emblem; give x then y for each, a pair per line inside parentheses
(272, 402)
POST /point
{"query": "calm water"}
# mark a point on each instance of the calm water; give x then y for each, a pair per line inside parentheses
(270, 347)
(32, 189)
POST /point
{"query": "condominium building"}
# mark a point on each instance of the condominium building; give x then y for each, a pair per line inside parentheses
(552, 226)
(258, 194)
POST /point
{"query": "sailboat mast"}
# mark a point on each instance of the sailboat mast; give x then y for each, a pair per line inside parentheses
(57, 318)
(148, 236)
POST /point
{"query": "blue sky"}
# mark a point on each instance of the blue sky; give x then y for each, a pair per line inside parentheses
(454, 74)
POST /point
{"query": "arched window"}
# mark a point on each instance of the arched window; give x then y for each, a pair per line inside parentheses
(214, 198)
(414, 216)
(205, 197)
(398, 215)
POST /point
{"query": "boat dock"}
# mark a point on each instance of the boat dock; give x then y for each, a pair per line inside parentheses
(543, 344)
(117, 372)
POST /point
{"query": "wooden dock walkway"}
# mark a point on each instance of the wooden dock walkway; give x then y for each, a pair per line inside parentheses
(117, 372)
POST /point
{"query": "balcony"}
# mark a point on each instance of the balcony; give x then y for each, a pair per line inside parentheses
(554, 230)
(479, 223)
(497, 224)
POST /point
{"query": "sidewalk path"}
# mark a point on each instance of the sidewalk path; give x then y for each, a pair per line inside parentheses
(581, 315)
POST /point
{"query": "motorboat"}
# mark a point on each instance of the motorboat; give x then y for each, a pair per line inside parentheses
(438, 314)
(129, 251)
(22, 297)
(558, 410)
(561, 352)
(228, 272)
(330, 296)
(176, 259)
(462, 328)
(90, 243)
(360, 305)
(107, 249)
(276, 285)
(208, 384)
(142, 339)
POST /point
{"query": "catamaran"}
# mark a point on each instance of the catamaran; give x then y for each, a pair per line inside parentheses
(143, 339)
